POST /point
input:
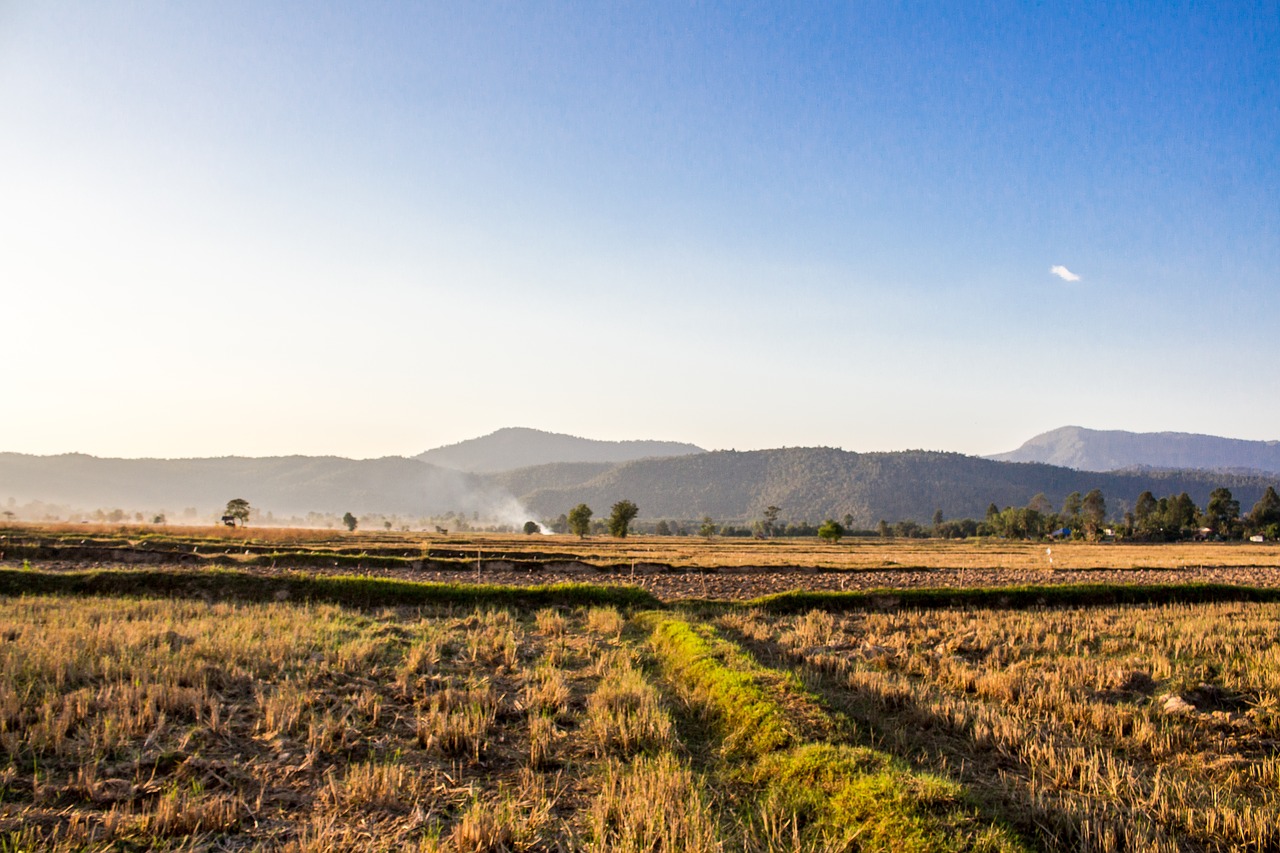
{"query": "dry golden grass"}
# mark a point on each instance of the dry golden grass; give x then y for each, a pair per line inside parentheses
(625, 714)
(652, 804)
(1116, 729)
(144, 724)
(160, 724)
(606, 622)
(458, 721)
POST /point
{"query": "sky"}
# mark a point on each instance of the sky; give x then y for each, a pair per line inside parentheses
(369, 229)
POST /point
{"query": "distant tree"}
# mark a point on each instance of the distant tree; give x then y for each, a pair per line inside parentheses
(1018, 523)
(580, 520)
(1222, 512)
(907, 529)
(1144, 514)
(958, 528)
(1040, 504)
(386, 524)
(831, 530)
(1177, 516)
(621, 515)
(530, 527)
(937, 521)
(238, 511)
(883, 529)
(663, 529)
(1034, 523)
(158, 519)
(771, 519)
(847, 521)
(992, 511)
(708, 528)
(8, 515)
(349, 521)
(1266, 512)
(1094, 511)
(561, 524)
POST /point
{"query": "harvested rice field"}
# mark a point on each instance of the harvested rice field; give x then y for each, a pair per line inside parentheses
(134, 723)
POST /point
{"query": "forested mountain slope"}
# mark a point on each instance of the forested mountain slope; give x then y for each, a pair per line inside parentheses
(817, 483)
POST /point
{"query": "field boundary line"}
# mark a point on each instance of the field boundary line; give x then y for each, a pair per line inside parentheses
(349, 590)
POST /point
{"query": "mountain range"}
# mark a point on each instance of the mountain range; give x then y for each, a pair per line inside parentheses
(520, 447)
(816, 483)
(1112, 450)
(807, 483)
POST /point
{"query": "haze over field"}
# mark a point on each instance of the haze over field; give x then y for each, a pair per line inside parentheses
(515, 475)
(360, 230)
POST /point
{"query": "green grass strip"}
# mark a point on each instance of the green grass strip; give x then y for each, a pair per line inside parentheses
(339, 589)
(841, 796)
(1007, 597)
(751, 723)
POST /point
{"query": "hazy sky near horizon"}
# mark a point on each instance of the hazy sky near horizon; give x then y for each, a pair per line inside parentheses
(369, 229)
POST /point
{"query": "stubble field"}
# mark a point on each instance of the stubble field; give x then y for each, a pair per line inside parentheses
(218, 721)
(669, 567)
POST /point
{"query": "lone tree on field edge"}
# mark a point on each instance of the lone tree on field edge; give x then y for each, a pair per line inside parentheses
(237, 510)
(770, 525)
(580, 520)
(620, 520)
(831, 530)
(350, 521)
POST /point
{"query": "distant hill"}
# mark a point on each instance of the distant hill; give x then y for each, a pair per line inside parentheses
(281, 484)
(812, 484)
(1111, 450)
(809, 484)
(519, 447)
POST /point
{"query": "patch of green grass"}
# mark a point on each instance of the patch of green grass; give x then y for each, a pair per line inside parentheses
(1008, 597)
(751, 723)
(839, 796)
(862, 799)
(351, 591)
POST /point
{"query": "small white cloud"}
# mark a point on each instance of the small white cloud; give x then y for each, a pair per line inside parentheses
(1063, 273)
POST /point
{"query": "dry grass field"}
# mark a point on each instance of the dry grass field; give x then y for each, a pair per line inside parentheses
(253, 711)
(1140, 728)
(133, 724)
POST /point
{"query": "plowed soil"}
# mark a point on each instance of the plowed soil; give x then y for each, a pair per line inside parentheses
(745, 582)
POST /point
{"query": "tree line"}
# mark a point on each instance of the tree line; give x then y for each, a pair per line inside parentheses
(1082, 516)
(1168, 519)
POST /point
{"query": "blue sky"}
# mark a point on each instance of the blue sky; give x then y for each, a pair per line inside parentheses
(372, 228)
